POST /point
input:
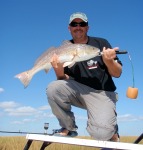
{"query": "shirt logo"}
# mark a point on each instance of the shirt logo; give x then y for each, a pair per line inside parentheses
(92, 64)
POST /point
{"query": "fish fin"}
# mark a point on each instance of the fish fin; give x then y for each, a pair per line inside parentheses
(46, 70)
(69, 64)
(44, 55)
(24, 77)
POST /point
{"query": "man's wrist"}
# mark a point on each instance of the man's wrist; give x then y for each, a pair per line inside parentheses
(61, 77)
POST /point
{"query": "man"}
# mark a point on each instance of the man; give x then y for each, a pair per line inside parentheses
(86, 85)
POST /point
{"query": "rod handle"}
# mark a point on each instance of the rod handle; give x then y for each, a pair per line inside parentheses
(121, 52)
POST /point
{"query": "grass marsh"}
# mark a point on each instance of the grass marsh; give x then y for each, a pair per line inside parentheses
(18, 143)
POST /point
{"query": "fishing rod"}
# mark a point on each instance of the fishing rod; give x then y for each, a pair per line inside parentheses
(19, 132)
(121, 52)
(46, 126)
(117, 52)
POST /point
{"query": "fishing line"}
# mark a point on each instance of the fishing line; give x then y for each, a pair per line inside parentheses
(132, 69)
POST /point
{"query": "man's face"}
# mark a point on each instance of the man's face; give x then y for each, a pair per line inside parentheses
(78, 31)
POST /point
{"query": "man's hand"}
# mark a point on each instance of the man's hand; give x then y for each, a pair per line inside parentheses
(55, 61)
(109, 54)
(58, 67)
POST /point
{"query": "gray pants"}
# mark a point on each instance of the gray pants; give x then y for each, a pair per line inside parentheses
(100, 106)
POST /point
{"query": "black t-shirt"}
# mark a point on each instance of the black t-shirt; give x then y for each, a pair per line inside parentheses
(93, 72)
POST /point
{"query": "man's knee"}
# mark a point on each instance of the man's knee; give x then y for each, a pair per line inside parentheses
(100, 133)
(53, 87)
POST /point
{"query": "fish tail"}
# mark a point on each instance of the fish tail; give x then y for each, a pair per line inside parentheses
(24, 77)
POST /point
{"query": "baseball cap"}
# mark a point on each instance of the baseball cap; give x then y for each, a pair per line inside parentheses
(78, 15)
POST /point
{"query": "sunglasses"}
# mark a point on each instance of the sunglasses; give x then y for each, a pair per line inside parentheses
(81, 24)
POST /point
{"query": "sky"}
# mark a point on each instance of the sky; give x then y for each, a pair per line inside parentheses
(29, 27)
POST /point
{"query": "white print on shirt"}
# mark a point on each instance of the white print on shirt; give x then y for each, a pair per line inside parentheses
(92, 64)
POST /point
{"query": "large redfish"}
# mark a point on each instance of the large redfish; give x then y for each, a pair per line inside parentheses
(68, 54)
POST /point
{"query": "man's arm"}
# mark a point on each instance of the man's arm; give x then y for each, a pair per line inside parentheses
(114, 68)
